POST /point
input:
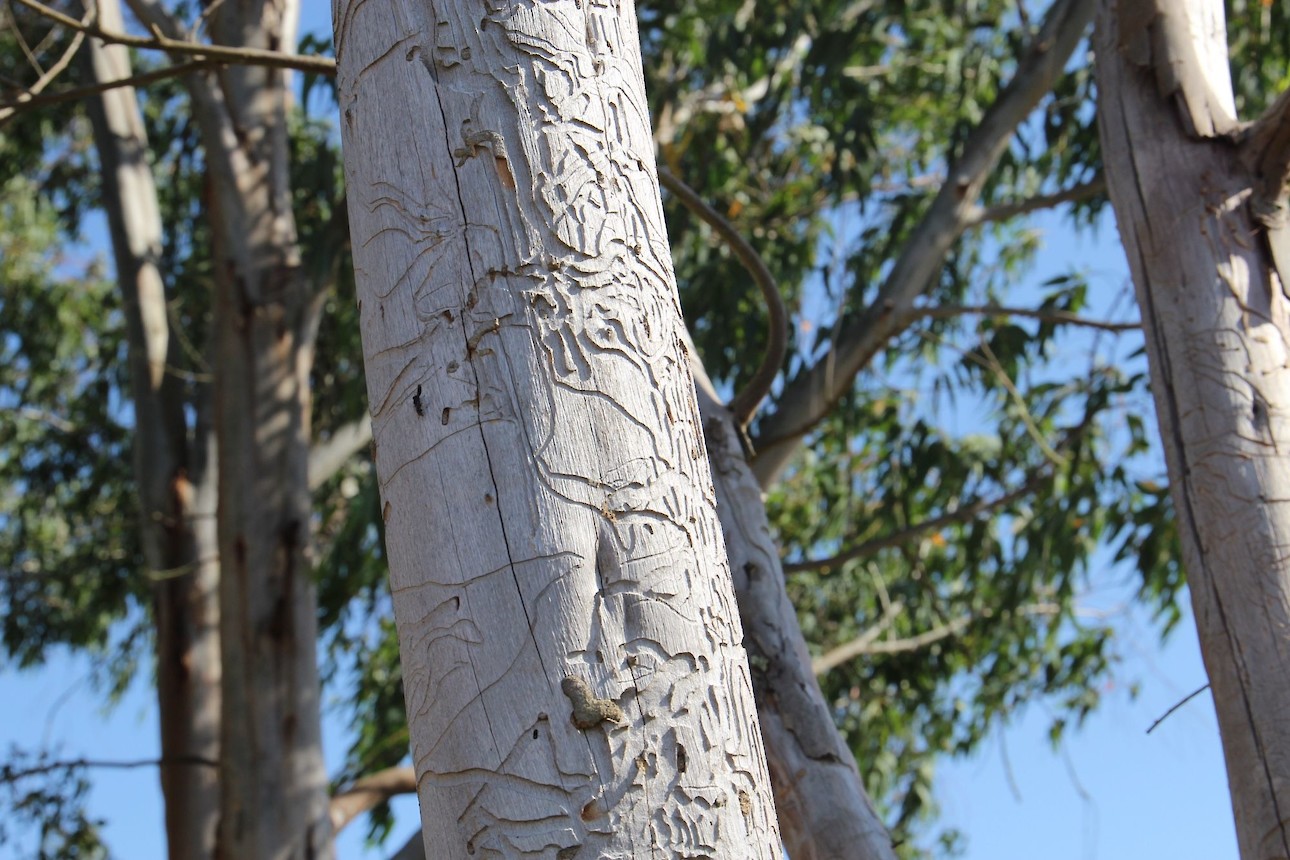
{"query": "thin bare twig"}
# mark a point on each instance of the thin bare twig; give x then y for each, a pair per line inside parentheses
(745, 403)
(931, 526)
(867, 644)
(1176, 706)
(8, 774)
(48, 76)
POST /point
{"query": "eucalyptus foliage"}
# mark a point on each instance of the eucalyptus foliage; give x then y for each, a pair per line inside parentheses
(821, 130)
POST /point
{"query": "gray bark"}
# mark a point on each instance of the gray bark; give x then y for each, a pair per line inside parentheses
(1217, 324)
(824, 811)
(570, 641)
(174, 473)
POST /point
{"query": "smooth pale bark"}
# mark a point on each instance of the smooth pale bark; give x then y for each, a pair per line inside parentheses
(175, 475)
(1217, 321)
(571, 647)
(273, 785)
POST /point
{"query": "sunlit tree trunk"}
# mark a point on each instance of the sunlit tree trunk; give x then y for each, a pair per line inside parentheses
(1201, 206)
(571, 648)
(273, 785)
(173, 466)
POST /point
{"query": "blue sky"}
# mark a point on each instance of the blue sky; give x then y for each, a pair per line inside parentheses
(1111, 791)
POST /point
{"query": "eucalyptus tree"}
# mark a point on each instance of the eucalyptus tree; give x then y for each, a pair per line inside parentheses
(879, 158)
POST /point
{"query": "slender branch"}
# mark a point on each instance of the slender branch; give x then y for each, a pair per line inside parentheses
(223, 54)
(326, 458)
(47, 77)
(745, 403)
(44, 416)
(32, 59)
(1176, 706)
(865, 644)
(1063, 317)
(931, 526)
(8, 774)
(365, 793)
(1003, 211)
(22, 103)
(809, 397)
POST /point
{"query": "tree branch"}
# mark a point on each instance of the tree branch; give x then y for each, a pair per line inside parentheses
(365, 793)
(1265, 147)
(1003, 211)
(8, 774)
(809, 397)
(866, 643)
(931, 526)
(326, 458)
(1055, 316)
(213, 53)
(8, 109)
(745, 403)
(47, 77)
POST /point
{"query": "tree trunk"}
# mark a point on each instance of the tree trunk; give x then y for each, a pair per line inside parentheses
(1217, 321)
(175, 477)
(824, 811)
(571, 647)
(272, 779)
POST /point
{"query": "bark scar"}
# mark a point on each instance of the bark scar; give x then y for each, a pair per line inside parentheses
(589, 711)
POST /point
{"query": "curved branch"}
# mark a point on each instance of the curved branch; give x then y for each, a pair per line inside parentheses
(865, 643)
(809, 397)
(326, 458)
(365, 793)
(745, 403)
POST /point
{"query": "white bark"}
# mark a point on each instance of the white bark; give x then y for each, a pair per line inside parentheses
(1217, 323)
(175, 477)
(273, 785)
(571, 648)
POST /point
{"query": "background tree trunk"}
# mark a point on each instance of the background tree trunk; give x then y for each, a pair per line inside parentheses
(1217, 322)
(273, 785)
(570, 643)
(174, 470)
